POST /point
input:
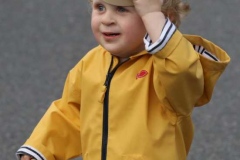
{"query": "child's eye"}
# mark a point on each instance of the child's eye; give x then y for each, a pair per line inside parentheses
(121, 9)
(100, 7)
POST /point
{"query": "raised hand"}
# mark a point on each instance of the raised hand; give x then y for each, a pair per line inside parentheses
(153, 18)
(144, 7)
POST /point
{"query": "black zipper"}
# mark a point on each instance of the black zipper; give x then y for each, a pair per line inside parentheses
(106, 109)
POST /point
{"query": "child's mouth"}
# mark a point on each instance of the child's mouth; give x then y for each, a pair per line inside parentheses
(111, 34)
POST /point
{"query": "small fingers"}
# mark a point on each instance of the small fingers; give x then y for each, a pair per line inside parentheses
(27, 157)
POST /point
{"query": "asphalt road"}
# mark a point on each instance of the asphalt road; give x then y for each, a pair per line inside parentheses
(41, 40)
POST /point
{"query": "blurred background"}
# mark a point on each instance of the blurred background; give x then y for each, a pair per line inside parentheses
(41, 40)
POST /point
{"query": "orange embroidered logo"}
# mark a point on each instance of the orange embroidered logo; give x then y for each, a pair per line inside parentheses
(141, 74)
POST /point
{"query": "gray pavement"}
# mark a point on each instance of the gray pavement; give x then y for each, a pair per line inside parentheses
(41, 40)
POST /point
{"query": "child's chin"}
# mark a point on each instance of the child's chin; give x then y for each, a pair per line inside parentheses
(114, 51)
(117, 54)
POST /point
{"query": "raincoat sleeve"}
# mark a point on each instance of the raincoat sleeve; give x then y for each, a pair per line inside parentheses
(180, 77)
(57, 135)
(212, 68)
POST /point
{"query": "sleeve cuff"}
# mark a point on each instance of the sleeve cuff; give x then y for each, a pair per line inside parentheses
(205, 53)
(167, 32)
(30, 151)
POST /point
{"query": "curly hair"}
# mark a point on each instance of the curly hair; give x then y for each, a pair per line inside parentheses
(175, 10)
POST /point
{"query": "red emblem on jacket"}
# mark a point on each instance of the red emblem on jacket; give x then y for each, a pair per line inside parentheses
(141, 74)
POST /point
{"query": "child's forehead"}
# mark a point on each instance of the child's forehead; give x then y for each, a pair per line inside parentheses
(120, 2)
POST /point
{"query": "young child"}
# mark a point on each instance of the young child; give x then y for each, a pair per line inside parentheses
(132, 96)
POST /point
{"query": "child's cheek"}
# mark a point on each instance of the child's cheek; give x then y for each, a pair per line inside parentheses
(95, 23)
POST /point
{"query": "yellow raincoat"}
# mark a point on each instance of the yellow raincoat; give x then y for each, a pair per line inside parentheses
(140, 111)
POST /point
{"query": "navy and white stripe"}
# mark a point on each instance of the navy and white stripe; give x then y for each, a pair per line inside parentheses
(167, 32)
(30, 151)
(205, 53)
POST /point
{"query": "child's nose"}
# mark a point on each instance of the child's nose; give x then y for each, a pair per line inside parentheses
(108, 18)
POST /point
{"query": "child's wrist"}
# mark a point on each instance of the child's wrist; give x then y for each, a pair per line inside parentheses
(154, 23)
(152, 15)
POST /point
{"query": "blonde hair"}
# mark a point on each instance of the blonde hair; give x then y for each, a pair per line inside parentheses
(175, 10)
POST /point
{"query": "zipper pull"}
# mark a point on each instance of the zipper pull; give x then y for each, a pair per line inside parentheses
(105, 87)
(102, 93)
(108, 79)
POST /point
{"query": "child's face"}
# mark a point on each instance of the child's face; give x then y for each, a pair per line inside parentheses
(119, 30)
